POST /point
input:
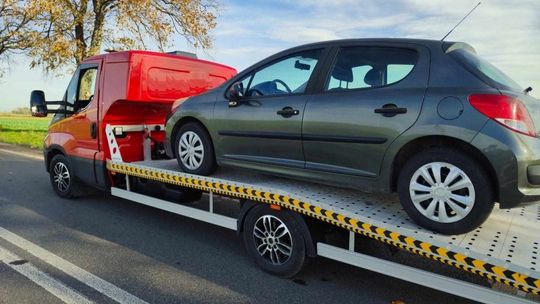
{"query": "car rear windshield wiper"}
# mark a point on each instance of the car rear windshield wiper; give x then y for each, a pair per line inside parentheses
(527, 90)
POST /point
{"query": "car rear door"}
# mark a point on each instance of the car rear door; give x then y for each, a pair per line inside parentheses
(370, 95)
(265, 125)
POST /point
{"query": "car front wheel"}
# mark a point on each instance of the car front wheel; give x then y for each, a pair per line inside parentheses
(194, 150)
(445, 191)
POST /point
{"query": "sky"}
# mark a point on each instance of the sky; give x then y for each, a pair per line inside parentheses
(505, 32)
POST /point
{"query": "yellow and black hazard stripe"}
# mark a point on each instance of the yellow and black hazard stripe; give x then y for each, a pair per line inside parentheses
(494, 272)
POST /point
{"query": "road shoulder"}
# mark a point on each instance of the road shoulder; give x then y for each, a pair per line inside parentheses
(21, 150)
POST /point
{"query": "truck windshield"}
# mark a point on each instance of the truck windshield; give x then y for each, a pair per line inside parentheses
(485, 70)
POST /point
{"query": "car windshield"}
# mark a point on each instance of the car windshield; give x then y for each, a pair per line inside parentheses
(484, 69)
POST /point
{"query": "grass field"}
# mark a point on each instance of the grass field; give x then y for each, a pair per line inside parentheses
(23, 130)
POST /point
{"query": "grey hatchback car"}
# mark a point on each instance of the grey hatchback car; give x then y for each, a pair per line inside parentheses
(430, 120)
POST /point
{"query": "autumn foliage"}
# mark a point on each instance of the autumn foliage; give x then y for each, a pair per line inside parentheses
(61, 33)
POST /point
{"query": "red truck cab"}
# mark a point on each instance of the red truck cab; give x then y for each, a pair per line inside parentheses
(132, 90)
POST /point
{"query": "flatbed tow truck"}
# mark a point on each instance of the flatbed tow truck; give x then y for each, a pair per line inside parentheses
(504, 250)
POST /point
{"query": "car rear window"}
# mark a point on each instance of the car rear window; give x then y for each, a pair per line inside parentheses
(484, 70)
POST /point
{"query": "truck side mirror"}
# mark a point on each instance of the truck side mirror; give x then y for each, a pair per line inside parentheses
(235, 93)
(37, 104)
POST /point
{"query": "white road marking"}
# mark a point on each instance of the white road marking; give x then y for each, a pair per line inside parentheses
(56, 288)
(23, 154)
(106, 288)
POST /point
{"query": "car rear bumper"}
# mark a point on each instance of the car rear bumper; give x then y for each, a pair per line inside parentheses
(168, 148)
(533, 174)
(515, 159)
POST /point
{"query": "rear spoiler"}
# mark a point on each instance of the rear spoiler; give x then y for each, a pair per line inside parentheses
(452, 46)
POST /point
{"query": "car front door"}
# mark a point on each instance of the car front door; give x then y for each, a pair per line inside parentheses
(264, 126)
(369, 97)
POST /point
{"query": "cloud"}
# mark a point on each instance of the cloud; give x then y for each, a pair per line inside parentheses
(303, 34)
(507, 33)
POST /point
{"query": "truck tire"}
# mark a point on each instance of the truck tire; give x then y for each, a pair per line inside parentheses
(194, 150)
(446, 191)
(274, 240)
(62, 178)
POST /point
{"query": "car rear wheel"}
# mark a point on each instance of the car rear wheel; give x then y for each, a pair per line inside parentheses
(62, 178)
(445, 191)
(194, 150)
(274, 240)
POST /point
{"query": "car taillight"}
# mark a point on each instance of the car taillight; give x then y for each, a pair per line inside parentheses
(506, 110)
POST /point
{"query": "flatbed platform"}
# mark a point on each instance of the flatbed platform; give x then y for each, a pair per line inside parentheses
(505, 248)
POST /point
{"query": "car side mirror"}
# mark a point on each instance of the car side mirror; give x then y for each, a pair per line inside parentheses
(235, 93)
(37, 104)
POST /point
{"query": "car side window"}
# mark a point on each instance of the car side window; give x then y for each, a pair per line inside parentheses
(289, 75)
(368, 67)
(245, 83)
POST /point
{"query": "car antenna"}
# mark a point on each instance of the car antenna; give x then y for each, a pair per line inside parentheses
(460, 21)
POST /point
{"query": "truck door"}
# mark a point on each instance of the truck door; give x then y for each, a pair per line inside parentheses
(83, 96)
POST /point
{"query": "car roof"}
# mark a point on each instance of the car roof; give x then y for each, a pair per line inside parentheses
(432, 45)
(426, 42)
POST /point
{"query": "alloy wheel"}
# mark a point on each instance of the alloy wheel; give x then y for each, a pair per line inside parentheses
(61, 177)
(273, 239)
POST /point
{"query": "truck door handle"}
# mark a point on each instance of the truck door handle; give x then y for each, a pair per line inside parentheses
(93, 130)
(288, 112)
(390, 110)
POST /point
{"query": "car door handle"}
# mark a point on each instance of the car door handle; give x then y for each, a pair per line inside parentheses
(390, 110)
(288, 112)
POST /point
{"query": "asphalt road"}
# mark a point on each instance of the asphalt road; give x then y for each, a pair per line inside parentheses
(126, 250)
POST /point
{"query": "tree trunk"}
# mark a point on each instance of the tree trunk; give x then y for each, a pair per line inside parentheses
(81, 44)
(79, 16)
(97, 33)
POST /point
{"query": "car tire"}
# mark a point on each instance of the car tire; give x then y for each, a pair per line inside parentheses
(456, 200)
(196, 155)
(283, 256)
(62, 177)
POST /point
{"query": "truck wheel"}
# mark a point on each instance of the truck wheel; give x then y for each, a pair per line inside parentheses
(194, 150)
(274, 240)
(446, 191)
(62, 178)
